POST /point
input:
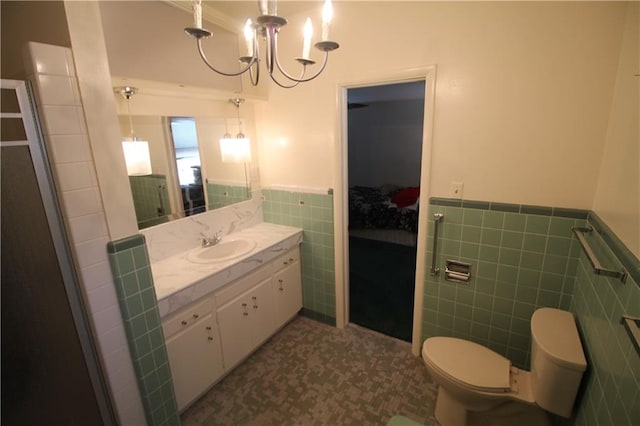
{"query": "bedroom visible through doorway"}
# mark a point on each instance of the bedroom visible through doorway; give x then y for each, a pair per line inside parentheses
(385, 133)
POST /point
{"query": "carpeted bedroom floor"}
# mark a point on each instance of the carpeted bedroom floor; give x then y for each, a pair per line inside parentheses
(381, 286)
(314, 374)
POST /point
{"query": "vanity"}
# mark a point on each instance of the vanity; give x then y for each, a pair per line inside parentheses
(219, 303)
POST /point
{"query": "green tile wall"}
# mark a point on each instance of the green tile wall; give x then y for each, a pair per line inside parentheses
(138, 305)
(224, 195)
(522, 257)
(314, 214)
(611, 388)
(146, 199)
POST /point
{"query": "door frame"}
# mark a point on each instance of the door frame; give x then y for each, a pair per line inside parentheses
(341, 193)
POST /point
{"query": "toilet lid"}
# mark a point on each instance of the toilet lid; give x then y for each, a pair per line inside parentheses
(471, 364)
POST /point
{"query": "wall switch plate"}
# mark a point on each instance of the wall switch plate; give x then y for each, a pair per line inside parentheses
(455, 190)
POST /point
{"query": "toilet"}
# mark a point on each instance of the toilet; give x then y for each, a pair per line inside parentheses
(472, 377)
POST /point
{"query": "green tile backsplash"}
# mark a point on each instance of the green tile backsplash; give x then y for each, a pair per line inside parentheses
(314, 214)
(224, 195)
(150, 199)
(611, 388)
(129, 262)
(522, 257)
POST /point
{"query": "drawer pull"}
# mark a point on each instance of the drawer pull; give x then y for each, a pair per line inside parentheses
(210, 338)
(244, 307)
(183, 322)
(285, 263)
(280, 287)
(291, 259)
(196, 316)
(208, 328)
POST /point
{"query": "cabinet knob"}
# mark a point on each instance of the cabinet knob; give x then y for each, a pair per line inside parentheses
(285, 263)
(183, 322)
(291, 259)
(208, 328)
(196, 316)
(210, 338)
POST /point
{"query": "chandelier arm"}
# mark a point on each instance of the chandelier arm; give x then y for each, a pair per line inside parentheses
(255, 78)
(242, 71)
(301, 79)
(284, 86)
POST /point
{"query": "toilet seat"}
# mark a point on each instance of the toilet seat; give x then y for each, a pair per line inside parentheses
(468, 364)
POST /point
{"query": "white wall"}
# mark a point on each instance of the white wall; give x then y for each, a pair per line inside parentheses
(617, 199)
(385, 143)
(522, 95)
(146, 39)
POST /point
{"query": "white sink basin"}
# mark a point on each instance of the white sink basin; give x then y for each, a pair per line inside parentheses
(224, 250)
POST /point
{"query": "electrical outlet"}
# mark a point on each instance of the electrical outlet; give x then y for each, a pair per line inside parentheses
(455, 189)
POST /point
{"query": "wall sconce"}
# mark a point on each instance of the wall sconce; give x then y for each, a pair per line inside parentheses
(235, 149)
(136, 152)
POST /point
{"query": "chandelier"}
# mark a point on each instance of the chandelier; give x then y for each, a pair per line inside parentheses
(268, 25)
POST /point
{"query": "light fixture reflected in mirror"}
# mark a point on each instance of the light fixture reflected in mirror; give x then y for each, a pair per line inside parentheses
(136, 155)
(136, 152)
(235, 149)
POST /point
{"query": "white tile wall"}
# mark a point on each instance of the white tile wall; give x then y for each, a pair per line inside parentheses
(52, 72)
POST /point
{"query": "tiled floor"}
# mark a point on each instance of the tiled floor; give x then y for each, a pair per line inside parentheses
(313, 374)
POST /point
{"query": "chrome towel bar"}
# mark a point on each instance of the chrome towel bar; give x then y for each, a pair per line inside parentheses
(437, 217)
(597, 267)
(632, 324)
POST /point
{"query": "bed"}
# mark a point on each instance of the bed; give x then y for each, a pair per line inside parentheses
(387, 213)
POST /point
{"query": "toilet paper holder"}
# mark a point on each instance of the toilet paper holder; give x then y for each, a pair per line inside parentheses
(457, 271)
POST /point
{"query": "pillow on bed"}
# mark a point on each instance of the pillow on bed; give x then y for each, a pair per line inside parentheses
(406, 197)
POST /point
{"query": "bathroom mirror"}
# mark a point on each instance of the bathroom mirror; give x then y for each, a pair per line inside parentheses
(188, 175)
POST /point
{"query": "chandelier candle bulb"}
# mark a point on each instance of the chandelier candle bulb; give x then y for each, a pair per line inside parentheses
(262, 5)
(327, 16)
(308, 33)
(197, 13)
(249, 36)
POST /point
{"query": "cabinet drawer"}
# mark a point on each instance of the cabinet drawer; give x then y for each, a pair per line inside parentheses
(286, 259)
(241, 285)
(183, 319)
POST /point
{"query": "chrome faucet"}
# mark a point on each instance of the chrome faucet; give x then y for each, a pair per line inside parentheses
(210, 241)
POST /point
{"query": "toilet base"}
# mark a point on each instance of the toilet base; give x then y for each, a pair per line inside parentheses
(449, 412)
(509, 414)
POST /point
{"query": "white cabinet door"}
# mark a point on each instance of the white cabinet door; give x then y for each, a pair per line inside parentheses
(288, 292)
(245, 322)
(262, 313)
(195, 359)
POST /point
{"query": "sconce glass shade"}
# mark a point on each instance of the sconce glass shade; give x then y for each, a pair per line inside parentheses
(136, 155)
(235, 150)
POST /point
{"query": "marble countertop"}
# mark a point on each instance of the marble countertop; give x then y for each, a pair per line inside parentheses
(178, 282)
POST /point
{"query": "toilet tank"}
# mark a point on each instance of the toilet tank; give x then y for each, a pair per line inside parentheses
(557, 360)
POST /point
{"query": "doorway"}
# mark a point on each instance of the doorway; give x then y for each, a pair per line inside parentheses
(384, 138)
(189, 169)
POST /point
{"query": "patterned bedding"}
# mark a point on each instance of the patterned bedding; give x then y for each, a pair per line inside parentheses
(370, 208)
